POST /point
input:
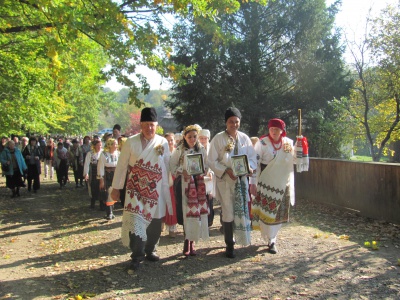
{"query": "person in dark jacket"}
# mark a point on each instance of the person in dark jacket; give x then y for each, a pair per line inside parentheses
(76, 162)
(12, 159)
(33, 155)
(48, 158)
(60, 163)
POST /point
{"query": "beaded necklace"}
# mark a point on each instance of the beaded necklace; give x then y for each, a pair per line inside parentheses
(274, 143)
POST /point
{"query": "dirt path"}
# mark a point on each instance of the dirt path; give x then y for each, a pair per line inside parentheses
(53, 246)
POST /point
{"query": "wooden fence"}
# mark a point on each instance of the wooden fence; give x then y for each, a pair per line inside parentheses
(372, 189)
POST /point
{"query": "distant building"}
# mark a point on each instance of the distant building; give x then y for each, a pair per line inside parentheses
(168, 123)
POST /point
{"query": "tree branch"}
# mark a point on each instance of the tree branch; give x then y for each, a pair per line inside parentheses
(29, 3)
(23, 28)
(126, 3)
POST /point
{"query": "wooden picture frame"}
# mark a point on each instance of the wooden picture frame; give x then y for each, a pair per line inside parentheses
(194, 164)
(240, 165)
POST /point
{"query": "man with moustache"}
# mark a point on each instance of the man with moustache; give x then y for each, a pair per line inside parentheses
(145, 156)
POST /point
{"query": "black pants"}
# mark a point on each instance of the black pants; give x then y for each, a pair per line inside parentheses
(62, 172)
(78, 172)
(33, 175)
(95, 186)
(140, 248)
(15, 180)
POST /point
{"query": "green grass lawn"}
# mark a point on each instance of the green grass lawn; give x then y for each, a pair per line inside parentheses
(366, 158)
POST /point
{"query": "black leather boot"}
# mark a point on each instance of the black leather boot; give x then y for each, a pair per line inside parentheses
(228, 233)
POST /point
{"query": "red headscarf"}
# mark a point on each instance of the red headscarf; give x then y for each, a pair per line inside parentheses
(279, 124)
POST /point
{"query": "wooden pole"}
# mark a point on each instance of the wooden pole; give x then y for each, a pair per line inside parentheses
(299, 120)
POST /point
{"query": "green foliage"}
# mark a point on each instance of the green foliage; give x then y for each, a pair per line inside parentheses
(160, 130)
(122, 111)
(54, 54)
(373, 106)
(326, 137)
(266, 60)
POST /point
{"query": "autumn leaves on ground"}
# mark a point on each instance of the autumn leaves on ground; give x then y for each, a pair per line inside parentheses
(53, 246)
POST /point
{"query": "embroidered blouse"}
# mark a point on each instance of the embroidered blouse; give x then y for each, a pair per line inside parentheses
(90, 160)
(108, 160)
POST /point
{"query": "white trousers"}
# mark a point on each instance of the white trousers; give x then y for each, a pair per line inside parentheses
(269, 232)
(48, 166)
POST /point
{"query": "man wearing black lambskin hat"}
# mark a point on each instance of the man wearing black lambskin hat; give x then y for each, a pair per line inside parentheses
(145, 156)
(232, 190)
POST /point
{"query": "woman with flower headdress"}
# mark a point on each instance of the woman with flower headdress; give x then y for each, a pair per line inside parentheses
(90, 173)
(193, 190)
(105, 173)
(275, 182)
(232, 190)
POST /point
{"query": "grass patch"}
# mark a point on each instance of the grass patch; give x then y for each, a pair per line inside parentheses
(367, 158)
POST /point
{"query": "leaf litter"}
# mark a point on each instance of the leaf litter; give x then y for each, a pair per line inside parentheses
(57, 248)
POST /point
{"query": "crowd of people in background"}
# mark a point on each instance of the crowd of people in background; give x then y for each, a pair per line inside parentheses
(170, 180)
(55, 156)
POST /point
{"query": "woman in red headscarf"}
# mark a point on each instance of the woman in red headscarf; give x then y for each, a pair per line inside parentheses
(275, 182)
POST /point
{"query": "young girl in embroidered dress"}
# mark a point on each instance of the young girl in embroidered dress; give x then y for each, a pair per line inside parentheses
(194, 201)
(105, 172)
(90, 173)
(275, 182)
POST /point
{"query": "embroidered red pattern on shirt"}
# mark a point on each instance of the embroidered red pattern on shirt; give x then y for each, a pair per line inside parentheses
(142, 183)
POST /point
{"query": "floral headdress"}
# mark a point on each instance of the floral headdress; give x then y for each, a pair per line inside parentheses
(109, 143)
(189, 128)
(93, 145)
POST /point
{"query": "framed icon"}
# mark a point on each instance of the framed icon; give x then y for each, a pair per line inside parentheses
(194, 164)
(240, 165)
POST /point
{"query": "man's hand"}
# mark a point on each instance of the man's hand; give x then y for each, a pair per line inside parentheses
(101, 185)
(186, 176)
(115, 194)
(253, 189)
(230, 174)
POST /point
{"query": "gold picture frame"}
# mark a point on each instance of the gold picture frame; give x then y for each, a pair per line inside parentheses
(240, 165)
(194, 164)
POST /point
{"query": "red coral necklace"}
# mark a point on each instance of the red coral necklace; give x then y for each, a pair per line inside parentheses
(276, 143)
